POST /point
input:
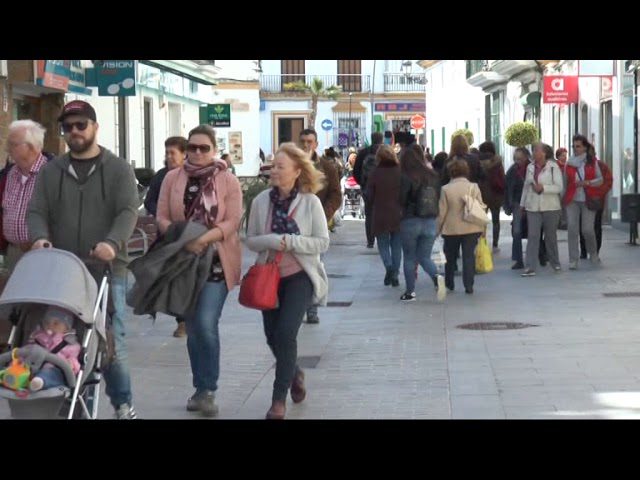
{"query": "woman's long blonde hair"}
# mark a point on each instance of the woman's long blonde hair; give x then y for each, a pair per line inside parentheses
(311, 180)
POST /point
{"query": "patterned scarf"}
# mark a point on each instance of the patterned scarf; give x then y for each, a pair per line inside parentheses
(280, 220)
(205, 208)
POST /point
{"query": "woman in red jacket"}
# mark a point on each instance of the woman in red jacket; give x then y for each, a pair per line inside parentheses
(582, 199)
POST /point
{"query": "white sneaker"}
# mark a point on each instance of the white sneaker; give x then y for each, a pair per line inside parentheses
(126, 412)
(441, 289)
(573, 265)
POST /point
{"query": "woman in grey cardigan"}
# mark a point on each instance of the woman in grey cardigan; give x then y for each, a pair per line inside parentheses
(289, 218)
(541, 195)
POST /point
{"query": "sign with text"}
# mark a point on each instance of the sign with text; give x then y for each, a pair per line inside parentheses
(606, 87)
(235, 147)
(400, 107)
(116, 78)
(54, 73)
(216, 115)
(560, 89)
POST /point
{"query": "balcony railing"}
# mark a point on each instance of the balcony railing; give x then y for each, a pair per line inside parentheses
(350, 83)
(475, 66)
(401, 82)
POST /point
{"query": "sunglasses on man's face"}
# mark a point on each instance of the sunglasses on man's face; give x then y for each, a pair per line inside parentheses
(192, 147)
(67, 127)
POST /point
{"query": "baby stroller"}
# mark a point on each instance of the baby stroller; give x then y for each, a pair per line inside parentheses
(52, 277)
(352, 199)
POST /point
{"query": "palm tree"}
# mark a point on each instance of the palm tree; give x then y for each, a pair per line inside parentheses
(316, 90)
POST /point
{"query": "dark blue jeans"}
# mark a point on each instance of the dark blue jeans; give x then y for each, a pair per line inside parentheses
(281, 328)
(418, 236)
(390, 250)
(203, 339)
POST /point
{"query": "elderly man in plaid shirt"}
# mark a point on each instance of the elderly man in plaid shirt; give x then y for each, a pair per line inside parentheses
(25, 142)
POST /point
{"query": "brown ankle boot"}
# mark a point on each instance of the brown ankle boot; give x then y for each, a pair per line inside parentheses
(298, 390)
(277, 410)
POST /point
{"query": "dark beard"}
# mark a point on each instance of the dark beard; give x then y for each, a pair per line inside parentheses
(82, 148)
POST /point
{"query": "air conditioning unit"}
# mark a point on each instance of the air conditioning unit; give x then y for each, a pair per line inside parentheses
(4, 71)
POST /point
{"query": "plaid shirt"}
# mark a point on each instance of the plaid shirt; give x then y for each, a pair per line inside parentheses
(16, 200)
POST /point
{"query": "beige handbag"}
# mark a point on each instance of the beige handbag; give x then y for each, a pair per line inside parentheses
(474, 210)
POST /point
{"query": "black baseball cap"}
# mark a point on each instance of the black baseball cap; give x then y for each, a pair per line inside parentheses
(78, 107)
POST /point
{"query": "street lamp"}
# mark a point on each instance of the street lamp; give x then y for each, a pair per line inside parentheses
(350, 128)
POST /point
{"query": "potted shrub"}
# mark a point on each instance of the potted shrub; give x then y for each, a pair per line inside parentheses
(521, 134)
(468, 134)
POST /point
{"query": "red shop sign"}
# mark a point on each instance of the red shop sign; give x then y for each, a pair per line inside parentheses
(560, 89)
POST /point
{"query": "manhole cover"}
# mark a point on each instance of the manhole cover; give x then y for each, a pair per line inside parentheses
(496, 326)
(339, 304)
(307, 362)
(337, 275)
(621, 294)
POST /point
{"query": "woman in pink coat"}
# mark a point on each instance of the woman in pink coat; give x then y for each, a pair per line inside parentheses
(206, 192)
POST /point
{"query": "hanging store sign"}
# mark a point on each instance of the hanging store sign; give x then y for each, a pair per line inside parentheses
(560, 89)
(216, 115)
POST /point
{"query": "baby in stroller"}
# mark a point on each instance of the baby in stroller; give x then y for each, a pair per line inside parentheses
(55, 334)
(352, 199)
(58, 315)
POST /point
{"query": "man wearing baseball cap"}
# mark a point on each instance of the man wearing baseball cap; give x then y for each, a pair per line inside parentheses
(86, 202)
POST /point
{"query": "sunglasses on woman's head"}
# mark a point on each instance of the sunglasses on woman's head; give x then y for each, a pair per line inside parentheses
(192, 147)
(81, 126)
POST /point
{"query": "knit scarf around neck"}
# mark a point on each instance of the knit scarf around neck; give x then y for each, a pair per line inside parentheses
(205, 208)
(280, 220)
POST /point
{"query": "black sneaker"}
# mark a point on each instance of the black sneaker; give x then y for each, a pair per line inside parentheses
(394, 280)
(517, 266)
(387, 278)
(408, 297)
(313, 318)
(528, 273)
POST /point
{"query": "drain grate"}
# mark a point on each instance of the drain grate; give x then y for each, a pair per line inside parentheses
(337, 275)
(307, 362)
(495, 326)
(621, 294)
(339, 304)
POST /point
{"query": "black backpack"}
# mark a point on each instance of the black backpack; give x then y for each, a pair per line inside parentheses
(426, 202)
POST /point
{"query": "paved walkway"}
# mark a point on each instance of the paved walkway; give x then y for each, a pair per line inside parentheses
(378, 358)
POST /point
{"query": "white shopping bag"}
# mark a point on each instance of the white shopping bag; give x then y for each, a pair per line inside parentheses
(437, 255)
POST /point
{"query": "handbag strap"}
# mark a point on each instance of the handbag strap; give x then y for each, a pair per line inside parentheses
(278, 258)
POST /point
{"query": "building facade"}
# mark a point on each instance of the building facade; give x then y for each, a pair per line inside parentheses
(377, 95)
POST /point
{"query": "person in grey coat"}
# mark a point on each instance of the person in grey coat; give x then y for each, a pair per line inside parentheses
(86, 202)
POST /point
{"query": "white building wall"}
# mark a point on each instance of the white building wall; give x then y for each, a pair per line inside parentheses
(450, 102)
(245, 118)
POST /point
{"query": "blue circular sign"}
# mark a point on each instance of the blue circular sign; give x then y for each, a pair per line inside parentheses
(326, 124)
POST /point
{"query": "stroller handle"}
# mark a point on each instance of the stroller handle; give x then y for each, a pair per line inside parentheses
(90, 261)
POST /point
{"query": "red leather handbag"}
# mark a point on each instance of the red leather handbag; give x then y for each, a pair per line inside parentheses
(259, 286)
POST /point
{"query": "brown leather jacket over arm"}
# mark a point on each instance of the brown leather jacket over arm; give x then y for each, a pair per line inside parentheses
(330, 196)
